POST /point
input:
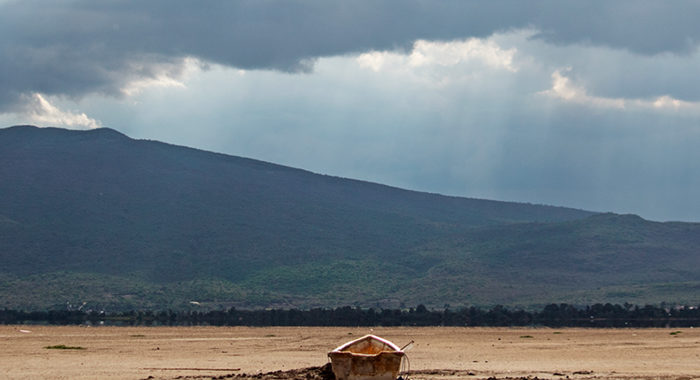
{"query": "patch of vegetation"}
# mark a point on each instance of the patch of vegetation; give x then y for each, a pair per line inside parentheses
(675, 332)
(64, 347)
(526, 336)
(558, 316)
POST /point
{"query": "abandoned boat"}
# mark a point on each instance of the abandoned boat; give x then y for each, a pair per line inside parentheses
(366, 358)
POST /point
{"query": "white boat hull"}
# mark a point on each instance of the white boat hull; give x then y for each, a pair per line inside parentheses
(367, 358)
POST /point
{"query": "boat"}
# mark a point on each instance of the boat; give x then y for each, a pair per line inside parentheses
(366, 358)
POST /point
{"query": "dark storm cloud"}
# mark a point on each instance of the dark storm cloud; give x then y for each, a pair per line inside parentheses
(77, 47)
(644, 27)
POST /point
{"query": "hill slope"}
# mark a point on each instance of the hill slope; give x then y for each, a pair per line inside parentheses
(96, 216)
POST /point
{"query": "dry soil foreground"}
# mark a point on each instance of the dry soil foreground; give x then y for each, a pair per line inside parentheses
(438, 353)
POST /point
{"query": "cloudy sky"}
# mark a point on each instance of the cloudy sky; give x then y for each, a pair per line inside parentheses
(590, 104)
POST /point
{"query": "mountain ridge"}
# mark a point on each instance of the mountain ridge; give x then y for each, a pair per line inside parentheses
(147, 224)
(107, 131)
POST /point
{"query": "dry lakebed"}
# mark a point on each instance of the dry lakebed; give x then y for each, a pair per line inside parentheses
(77, 352)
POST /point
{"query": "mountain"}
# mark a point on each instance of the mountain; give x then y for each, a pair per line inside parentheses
(98, 217)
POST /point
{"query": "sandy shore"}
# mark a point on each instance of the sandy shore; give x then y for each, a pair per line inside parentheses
(438, 353)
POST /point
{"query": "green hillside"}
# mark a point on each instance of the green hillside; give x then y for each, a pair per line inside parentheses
(97, 217)
(602, 258)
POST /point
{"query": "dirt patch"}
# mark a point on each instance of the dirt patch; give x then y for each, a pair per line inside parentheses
(310, 373)
(326, 373)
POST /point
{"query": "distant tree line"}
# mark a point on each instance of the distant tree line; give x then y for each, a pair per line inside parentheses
(553, 315)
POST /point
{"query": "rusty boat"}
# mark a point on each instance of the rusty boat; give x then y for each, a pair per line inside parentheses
(366, 358)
